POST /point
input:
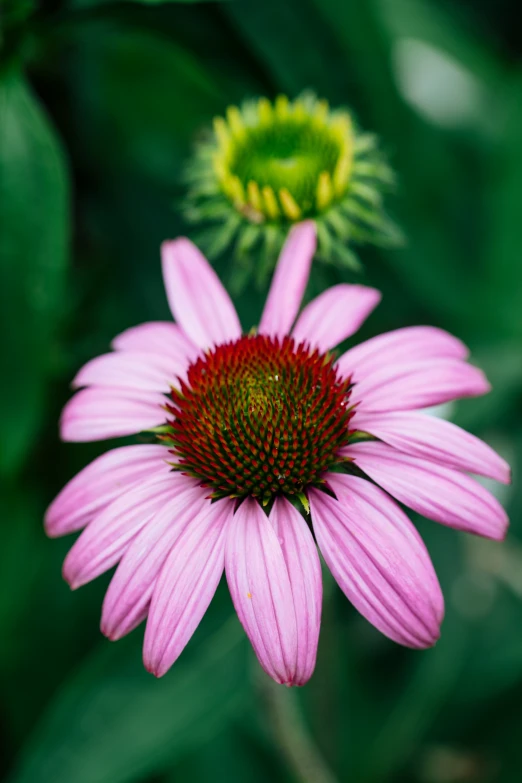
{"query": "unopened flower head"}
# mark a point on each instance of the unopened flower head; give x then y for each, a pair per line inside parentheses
(269, 165)
(256, 439)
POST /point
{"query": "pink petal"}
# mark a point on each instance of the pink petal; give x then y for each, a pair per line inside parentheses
(398, 347)
(434, 439)
(379, 560)
(304, 570)
(97, 413)
(101, 482)
(334, 315)
(159, 337)
(128, 597)
(418, 384)
(186, 586)
(198, 300)
(289, 281)
(106, 538)
(135, 371)
(436, 492)
(261, 590)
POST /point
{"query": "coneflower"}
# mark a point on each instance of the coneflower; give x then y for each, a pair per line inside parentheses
(260, 438)
(267, 166)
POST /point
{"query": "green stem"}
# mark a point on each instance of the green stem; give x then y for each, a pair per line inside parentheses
(292, 735)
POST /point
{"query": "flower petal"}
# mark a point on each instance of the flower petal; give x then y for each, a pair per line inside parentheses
(335, 315)
(418, 384)
(97, 414)
(422, 435)
(186, 586)
(379, 560)
(304, 570)
(261, 591)
(436, 492)
(106, 538)
(163, 338)
(128, 596)
(289, 281)
(197, 298)
(400, 346)
(102, 481)
(138, 371)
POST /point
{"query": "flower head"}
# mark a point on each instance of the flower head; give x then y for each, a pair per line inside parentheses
(259, 439)
(269, 165)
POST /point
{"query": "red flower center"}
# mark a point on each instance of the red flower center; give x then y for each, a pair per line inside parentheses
(260, 416)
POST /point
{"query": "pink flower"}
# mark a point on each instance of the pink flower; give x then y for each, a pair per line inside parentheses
(270, 421)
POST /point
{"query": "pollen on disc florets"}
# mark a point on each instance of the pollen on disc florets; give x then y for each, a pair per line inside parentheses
(260, 417)
(269, 165)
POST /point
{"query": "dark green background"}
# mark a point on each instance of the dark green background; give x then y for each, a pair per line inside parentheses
(99, 104)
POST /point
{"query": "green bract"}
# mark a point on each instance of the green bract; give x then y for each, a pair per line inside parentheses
(269, 165)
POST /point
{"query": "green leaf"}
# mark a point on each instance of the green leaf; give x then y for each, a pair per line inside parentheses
(142, 99)
(502, 291)
(21, 542)
(114, 722)
(34, 219)
(235, 754)
(445, 28)
(418, 705)
(275, 31)
(13, 13)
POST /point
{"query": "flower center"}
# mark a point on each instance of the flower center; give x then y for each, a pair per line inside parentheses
(259, 416)
(283, 160)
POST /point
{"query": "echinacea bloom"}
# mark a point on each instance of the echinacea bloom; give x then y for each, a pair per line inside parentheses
(267, 166)
(260, 437)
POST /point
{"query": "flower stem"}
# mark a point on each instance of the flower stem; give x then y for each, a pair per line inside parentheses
(292, 735)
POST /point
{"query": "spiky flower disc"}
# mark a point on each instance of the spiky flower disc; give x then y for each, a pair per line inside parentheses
(267, 166)
(260, 416)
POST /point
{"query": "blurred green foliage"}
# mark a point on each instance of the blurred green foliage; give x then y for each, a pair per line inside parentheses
(99, 104)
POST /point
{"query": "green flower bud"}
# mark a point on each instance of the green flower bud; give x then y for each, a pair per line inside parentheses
(266, 166)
